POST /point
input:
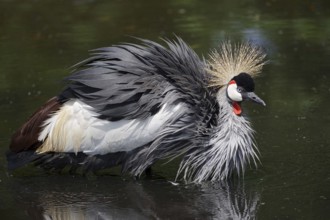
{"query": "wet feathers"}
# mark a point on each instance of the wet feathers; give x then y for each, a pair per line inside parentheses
(133, 83)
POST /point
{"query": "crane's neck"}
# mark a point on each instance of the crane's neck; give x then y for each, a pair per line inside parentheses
(231, 147)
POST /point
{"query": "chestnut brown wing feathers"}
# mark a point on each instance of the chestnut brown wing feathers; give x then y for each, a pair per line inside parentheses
(26, 137)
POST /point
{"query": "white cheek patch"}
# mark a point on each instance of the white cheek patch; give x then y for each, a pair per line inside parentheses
(233, 94)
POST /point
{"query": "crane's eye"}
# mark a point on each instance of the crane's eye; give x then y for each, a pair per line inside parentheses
(240, 89)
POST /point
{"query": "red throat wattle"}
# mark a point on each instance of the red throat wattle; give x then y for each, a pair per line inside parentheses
(237, 108)
(232, 82)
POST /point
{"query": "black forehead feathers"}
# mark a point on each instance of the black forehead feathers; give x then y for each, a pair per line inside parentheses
(245, 80)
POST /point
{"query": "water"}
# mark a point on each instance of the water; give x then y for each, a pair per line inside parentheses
(40, 40)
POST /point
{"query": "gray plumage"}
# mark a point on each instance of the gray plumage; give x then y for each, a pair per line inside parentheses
(133, 81)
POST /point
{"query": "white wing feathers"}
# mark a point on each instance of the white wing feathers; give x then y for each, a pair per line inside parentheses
(77, 128)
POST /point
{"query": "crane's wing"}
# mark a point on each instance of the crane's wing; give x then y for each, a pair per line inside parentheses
(134, 81)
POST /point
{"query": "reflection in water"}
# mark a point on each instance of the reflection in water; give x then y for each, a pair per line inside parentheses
(230, 201)
(129, 202)
(80, 212)
(151, 199)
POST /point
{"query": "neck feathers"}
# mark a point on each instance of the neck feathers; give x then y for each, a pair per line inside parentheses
(231, 147)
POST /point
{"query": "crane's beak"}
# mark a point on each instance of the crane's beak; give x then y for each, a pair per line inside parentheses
(253, 97)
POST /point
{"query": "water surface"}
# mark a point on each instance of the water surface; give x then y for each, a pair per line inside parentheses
(40, 40)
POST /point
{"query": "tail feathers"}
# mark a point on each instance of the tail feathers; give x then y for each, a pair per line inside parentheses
(17, 160)
(58, 161)
(99, 162)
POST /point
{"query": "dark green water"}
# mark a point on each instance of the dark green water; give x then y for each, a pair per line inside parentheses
(40, 40)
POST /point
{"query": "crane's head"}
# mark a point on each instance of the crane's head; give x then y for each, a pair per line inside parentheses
(234, 66)
(241, 88)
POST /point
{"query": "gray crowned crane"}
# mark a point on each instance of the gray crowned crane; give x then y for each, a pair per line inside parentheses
(134, 104)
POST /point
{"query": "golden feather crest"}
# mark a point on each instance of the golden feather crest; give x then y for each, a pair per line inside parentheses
(231, 59)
